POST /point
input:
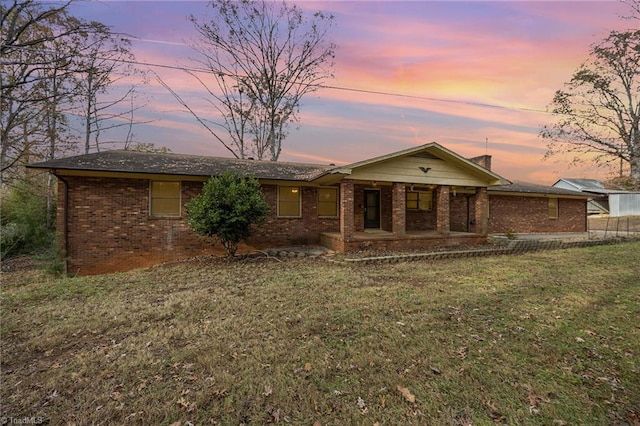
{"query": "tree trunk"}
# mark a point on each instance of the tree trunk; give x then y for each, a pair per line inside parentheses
(635, 167)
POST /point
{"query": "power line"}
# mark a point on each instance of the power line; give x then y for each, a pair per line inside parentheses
(427, 98)
(352, 89)
(342, 88)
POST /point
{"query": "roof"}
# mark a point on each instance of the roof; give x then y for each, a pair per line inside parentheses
(583, 184)
(432, 149)
(592, 186)
(532, 188)
(121, 161)
(180, 164)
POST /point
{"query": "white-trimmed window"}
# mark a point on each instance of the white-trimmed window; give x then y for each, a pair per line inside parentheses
(289, 201)
(553, 208)
(164, 199)
(328, 202)
(419, 200)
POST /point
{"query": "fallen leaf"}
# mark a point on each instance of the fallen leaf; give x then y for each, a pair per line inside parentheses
(268, 390)
(407, 394)
(494, 412)
(361, 403)
(579, 340)
(186, 405)
(307, 366)
(275, 414)
(218, 394)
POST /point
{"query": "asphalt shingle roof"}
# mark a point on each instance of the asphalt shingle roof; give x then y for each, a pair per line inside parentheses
(186, 165)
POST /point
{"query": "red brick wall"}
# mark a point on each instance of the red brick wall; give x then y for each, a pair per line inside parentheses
(282, 231)
(531, 214)
(358, 207)
(347, 206)
(421, 220)
(109, 228)
(386, 208)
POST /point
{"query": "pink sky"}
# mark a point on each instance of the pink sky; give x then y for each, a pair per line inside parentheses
(452, 55)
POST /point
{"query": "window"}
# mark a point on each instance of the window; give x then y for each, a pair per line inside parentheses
(419, 200)
(328, 202)
(553, 208)
(289, 201)
(165, 199)
(412, 201)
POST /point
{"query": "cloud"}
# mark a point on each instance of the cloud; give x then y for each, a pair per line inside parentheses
(447, 57)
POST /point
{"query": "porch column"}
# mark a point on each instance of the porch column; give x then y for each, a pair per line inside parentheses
(443, 216)
(398, 209)
(346, 210)
(482, 211)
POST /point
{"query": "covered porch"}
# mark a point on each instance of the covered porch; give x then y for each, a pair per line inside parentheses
(418, 199)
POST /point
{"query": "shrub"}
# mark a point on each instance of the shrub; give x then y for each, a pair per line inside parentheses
(23, 221)
(227, 207)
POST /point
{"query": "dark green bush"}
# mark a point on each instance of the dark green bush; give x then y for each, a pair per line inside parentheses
(227, 207)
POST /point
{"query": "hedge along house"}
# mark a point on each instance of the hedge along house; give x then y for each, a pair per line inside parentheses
(118, 210)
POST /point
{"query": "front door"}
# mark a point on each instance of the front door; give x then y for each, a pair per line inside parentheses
(372, 209)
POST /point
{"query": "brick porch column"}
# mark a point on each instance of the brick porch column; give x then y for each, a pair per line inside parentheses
(443, 216)
(398, 209)
(482, 211)
(346, 210)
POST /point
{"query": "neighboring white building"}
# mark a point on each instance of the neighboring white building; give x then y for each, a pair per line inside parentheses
(612, 201)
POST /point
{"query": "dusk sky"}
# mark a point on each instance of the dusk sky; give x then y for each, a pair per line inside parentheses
(447, 56)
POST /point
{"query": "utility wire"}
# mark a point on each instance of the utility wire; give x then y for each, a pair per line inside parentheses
(342, 88)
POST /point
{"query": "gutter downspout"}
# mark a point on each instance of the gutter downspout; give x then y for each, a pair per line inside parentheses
(65, 219)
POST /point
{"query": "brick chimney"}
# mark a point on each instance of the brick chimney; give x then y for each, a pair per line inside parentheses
(482, 160)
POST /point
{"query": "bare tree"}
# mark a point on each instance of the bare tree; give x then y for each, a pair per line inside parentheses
(106, 61)
(36, 81)
(56, 71)
(264, 57)
(634, 5)
(18, 20)
(598, 111)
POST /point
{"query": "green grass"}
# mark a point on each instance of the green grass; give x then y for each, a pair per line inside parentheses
(538, 339)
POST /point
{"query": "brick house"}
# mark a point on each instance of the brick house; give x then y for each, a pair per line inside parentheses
(119, 210)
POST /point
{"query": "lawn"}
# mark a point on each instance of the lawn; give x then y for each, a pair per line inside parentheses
(548, 338)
